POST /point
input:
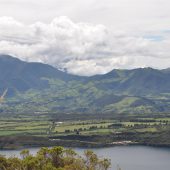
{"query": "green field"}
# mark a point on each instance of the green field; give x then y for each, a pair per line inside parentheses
(41, 127)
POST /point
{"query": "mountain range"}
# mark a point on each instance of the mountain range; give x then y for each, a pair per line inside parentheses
(41, 87)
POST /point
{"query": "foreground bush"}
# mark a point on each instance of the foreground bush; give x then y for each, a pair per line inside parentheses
(56, 158)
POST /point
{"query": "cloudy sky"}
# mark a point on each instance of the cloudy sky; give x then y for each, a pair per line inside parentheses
(87, 37)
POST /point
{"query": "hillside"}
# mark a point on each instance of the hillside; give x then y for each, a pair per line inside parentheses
(37, 87)
(20, 76)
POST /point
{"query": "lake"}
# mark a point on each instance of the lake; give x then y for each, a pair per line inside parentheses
(127, 157)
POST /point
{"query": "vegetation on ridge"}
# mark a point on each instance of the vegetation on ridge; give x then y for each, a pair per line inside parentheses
(36, 87)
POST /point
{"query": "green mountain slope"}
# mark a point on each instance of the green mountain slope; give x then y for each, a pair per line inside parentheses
(36, 87)
(20, 76)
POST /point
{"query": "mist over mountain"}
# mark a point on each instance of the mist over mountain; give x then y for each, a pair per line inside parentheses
(37, 86)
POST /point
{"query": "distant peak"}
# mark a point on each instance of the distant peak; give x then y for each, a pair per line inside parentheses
(8, 57)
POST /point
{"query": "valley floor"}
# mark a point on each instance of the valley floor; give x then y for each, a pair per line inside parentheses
(75, 131)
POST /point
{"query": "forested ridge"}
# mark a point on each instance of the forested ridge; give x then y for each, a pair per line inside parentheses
(37, 87)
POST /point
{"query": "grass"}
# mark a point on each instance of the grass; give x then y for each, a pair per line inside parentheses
(153, 129)
(17, 127)
(45, 128)
(9, 132)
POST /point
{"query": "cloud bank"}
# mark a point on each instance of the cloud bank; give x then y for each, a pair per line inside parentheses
(81, 48)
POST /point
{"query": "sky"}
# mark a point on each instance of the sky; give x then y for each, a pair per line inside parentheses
(87, 37)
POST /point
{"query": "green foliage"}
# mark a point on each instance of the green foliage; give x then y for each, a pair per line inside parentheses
(84, 97)
(56, 158)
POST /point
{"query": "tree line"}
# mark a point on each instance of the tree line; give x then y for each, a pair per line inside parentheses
(56, 158)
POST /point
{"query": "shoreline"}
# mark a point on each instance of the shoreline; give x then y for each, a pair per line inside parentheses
(80, 144)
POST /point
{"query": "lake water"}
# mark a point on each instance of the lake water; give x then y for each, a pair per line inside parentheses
(127, 157)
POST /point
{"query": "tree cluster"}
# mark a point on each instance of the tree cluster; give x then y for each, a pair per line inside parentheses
(56, 158)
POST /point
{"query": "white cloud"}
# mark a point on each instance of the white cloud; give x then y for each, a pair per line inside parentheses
(81, 48)
(136, 15)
